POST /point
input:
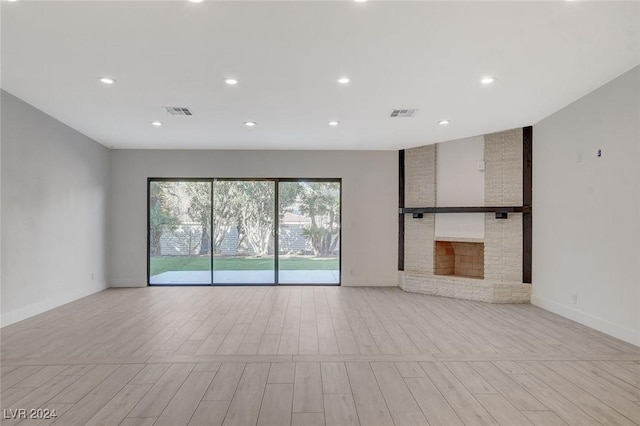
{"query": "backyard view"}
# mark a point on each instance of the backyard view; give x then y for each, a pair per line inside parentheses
(222, 232)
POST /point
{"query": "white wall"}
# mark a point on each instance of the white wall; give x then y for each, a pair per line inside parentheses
(460, 184)
(586, 210)
(369, 202)
(54, 198)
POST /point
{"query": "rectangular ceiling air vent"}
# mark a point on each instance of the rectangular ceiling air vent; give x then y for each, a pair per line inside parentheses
(405, 113)
(178, 110)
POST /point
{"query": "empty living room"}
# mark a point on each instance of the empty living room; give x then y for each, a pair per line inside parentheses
(336, 212)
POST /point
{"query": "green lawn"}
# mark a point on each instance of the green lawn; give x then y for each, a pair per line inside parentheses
(194, 263)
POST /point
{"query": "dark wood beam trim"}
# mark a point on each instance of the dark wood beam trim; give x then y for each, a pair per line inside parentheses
(483, 209)
(527, 201)
(401, 206)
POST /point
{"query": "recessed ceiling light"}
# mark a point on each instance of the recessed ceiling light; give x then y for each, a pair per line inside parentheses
(250, 123)
(344, 80)
(196, 1)
(231, 81)
(13, 1)
(333, 123)
(104, 80)
(156, 123)
(360, 1)
(444, 122)
(487, 80)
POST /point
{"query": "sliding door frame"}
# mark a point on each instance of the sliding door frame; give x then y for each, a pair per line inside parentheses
(330, 180)
(149, 182)
(275, 233)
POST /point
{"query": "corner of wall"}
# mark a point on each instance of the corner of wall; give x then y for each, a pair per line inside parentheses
(586, 230)
(600, 324)
(24, 312)
(61, 208)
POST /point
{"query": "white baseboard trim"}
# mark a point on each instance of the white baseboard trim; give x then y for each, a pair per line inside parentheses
(11, 317)
(607, 327)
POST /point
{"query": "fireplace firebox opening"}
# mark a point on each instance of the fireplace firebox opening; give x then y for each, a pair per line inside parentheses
(462, 259)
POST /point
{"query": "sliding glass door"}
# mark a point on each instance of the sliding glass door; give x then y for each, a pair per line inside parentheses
(179, 232)
(243, 231)
(309, 232)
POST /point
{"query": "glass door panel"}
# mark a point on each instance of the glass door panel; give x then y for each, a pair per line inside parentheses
(309, 232)
(243, 232)
(179, 232)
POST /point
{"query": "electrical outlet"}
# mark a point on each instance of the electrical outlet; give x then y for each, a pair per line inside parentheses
(481, 165)
(352, 272)
(92, 276)
(574, 298)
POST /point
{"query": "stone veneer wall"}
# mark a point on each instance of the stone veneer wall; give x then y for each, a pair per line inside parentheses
(503, 168)
(503, 248)
(503, 187)
(420, 191)
(420, 176)
(419, 235)
(502, 281)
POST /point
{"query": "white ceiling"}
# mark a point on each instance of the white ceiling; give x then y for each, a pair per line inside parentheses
(288, 55)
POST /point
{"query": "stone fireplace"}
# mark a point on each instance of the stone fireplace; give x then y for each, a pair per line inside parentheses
(459, 258)
(466, 255)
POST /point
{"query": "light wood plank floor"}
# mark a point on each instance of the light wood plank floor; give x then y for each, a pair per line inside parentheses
(312, 356)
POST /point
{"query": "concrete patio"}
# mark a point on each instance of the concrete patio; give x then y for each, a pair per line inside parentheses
(247, 277)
